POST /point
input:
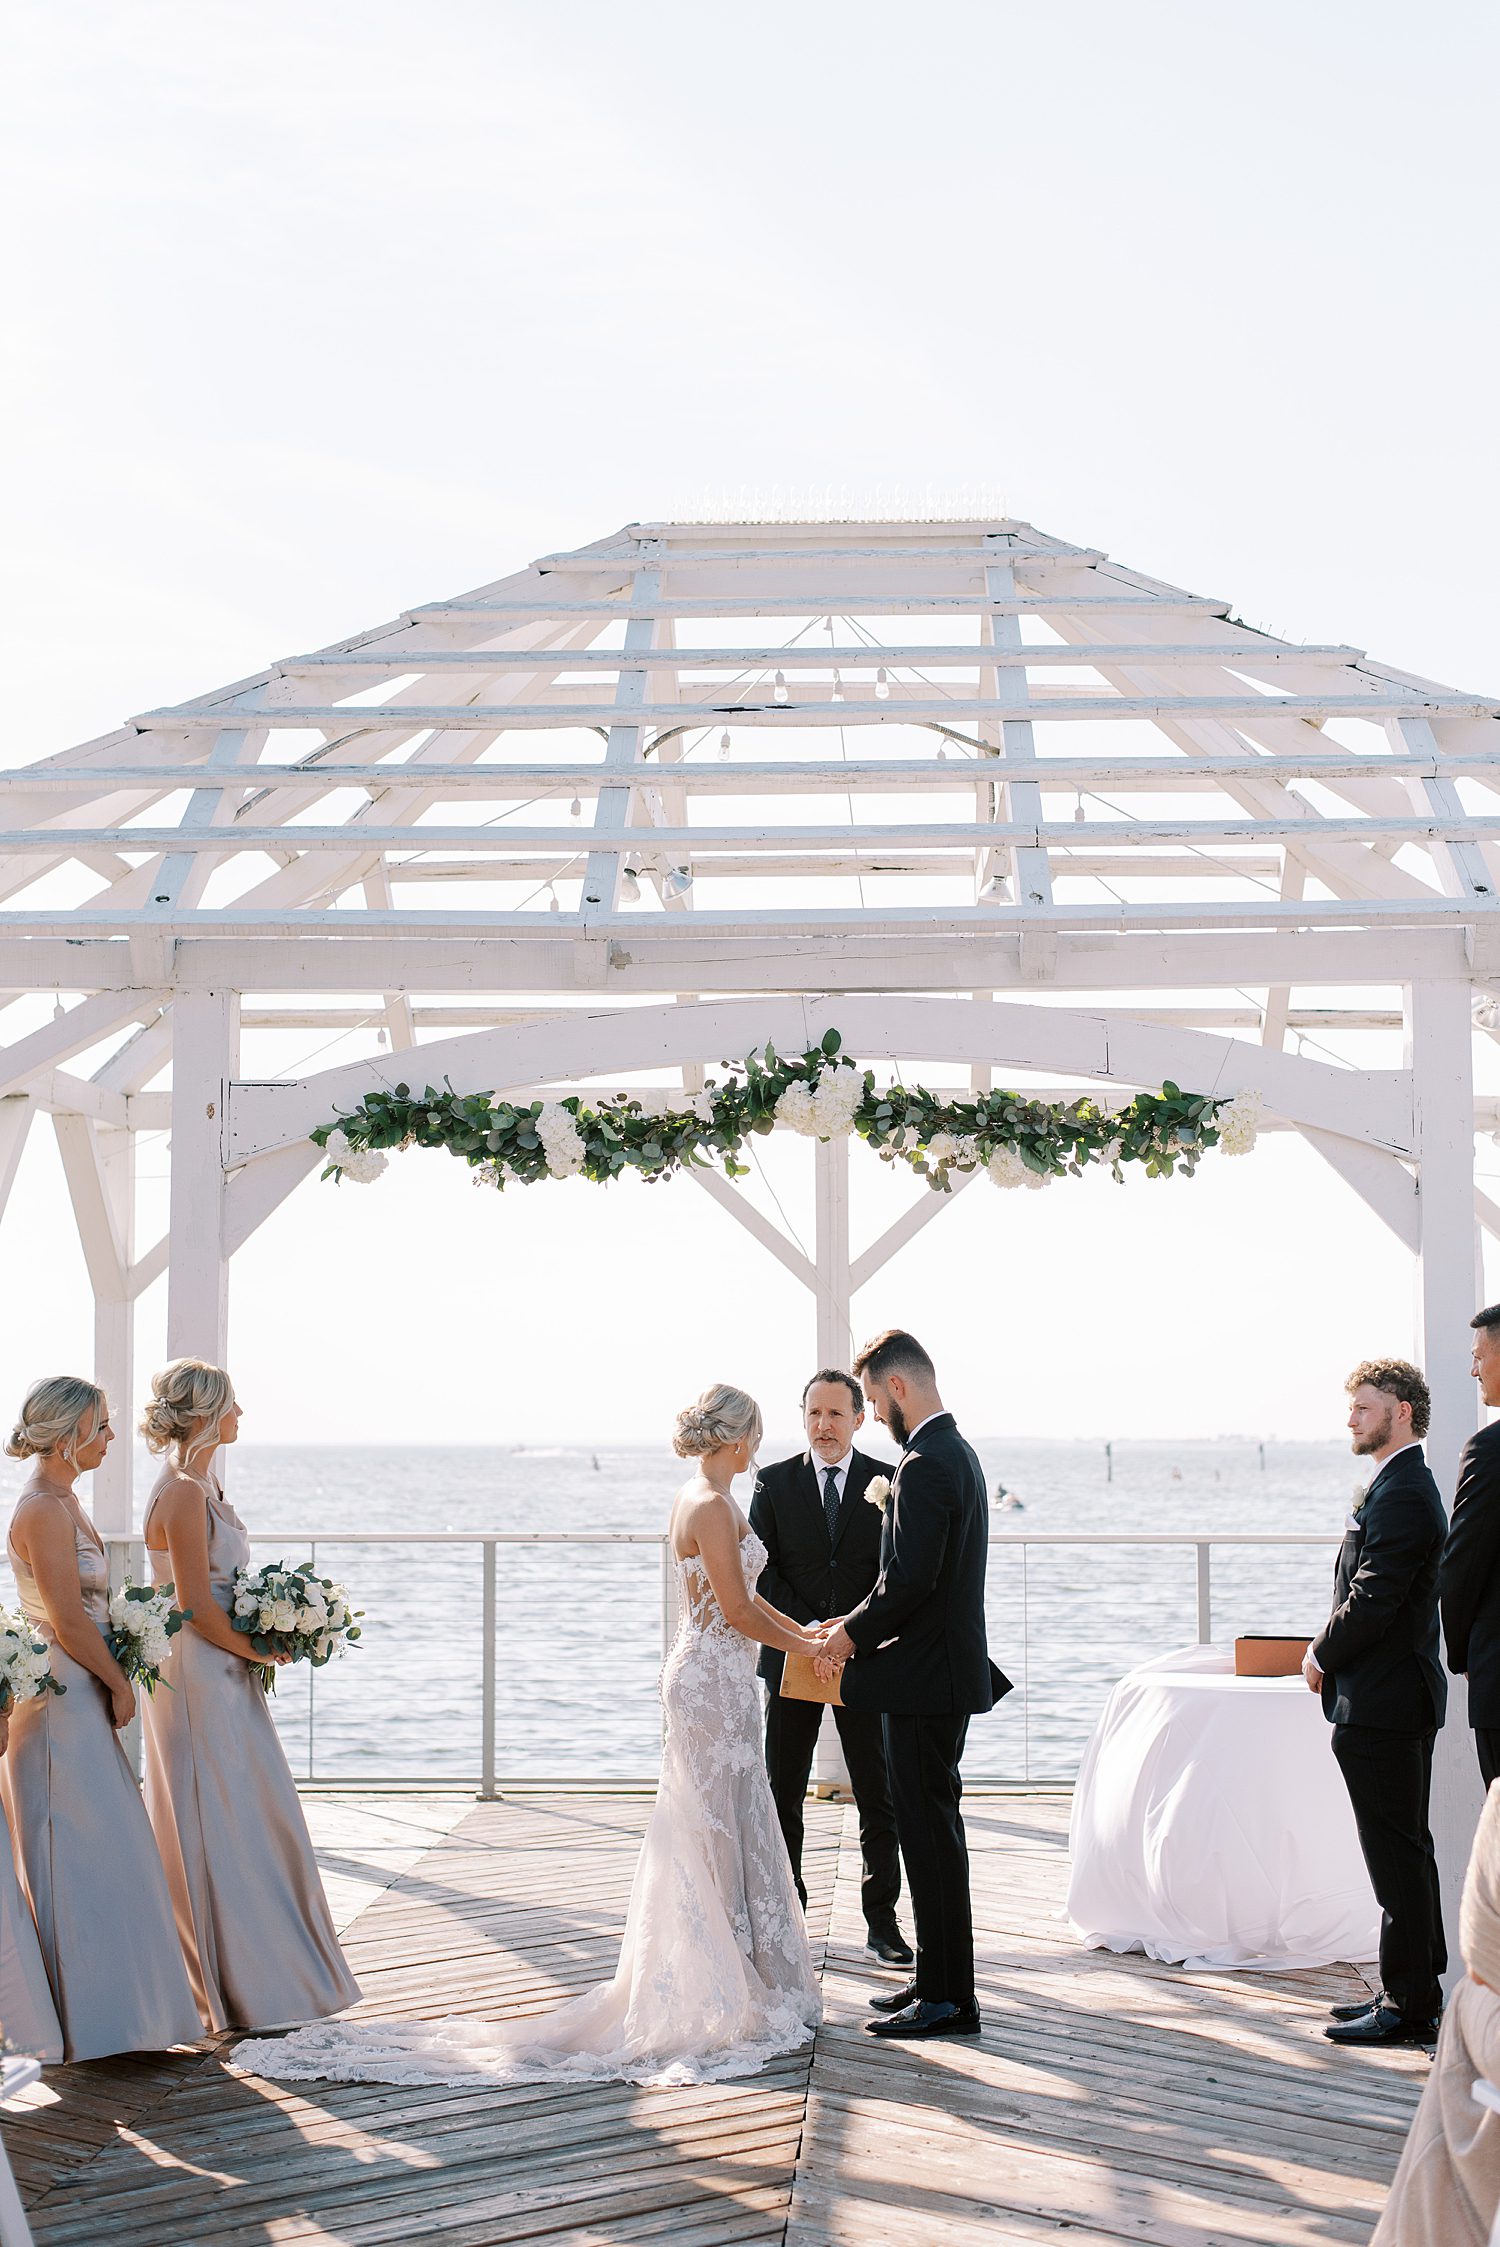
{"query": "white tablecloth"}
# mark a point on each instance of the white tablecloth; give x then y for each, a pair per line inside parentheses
(1211, 1826)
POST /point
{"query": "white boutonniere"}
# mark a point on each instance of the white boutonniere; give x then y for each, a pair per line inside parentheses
(878, 1491)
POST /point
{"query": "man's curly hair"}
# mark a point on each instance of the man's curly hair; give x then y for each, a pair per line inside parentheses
(1396, 1379)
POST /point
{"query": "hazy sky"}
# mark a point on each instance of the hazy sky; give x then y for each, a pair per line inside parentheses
(322, 311)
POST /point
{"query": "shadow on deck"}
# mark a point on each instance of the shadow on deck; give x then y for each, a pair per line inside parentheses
(1109, 2099)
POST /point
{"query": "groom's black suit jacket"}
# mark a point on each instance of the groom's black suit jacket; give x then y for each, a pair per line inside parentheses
(929, 1597)
(1378, 1651)
(804, 1576)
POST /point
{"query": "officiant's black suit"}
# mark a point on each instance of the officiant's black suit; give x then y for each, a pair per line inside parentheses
(1384, 1692)
(921, 1659)
(811, 1576)
(1469, 1591)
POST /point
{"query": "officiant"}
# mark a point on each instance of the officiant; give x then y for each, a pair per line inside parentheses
(822, 1536)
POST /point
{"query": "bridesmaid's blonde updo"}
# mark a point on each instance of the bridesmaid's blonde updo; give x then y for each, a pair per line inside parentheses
(721, 1415)
(185, 1396)
(54, 1415)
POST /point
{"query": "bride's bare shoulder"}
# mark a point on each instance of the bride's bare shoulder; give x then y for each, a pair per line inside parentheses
(697, 1512)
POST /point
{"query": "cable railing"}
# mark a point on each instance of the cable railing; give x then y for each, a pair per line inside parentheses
(481, 1602)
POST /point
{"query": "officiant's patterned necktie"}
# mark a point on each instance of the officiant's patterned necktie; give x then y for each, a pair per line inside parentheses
(831, 1501)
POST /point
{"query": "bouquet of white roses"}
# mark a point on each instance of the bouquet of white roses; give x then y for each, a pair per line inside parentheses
(143, 1621)
(293, 1612)
(25, 1664)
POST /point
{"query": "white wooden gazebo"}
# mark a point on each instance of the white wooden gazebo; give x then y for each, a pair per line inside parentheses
(697, 785)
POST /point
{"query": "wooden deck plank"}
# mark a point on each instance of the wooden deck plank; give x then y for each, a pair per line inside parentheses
(1112, 2098)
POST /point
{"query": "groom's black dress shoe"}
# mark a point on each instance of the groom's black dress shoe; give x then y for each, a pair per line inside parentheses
(929, 2016)
(1383, 2025)
(1354, 2012)
(897, 2001)
(890, 1946)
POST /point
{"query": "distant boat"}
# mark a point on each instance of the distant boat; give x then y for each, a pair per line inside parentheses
(1007, 1500)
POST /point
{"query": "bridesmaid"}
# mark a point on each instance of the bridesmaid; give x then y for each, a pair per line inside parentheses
(27, 2013)
(83, 1847)
(251, 1912)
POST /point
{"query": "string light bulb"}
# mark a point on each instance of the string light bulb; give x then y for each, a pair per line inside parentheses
(724, 742)
(882, 685)
(1078, 812)
(838, 686)
(778, 686)
(552, 903)
(575, 809)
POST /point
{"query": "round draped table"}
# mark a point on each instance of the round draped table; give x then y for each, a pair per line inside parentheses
(1211, 1826)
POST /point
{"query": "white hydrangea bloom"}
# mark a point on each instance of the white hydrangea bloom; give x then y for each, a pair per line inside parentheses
(362, 1164)
(1238, 1125)
(942, 1148)
(795, 1110)
(561, 1141)
(836, 1100)
(1007, 1168)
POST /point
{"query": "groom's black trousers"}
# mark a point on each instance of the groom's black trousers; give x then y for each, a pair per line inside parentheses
(791, 1739)
(922, 1756)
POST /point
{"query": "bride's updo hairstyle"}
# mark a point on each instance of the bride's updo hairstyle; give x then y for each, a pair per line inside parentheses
(721, 1415)
(54, 1415)
(186, 1396)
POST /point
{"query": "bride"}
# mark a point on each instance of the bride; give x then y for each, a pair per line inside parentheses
(715, 1976)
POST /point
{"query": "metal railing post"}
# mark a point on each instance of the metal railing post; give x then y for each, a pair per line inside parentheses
(487, 1680)
(1205, 1593)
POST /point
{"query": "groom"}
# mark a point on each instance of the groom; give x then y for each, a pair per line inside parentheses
(915, 1650)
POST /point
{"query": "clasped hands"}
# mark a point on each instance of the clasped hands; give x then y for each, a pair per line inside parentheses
(831, 1647)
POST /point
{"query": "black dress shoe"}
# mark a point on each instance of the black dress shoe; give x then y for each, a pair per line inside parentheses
(897, 2001)
(1383, 2025)
(930, 2016)
(890, 1946)
(1354, 2012)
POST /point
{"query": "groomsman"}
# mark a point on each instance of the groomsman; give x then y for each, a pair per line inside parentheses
(1469, 1581)
(823, 1541)
(1376, 1665)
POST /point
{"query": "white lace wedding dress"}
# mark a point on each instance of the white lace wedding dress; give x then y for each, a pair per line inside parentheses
(715, 1974)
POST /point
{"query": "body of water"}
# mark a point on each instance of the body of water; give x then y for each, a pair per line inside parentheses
(578, 1640)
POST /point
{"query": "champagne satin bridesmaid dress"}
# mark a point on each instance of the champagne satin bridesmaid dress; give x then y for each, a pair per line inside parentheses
(254, 1921)
(28, 2016)
(84, 1852)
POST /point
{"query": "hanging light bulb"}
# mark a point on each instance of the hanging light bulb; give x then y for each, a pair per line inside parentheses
(575, 809)
(779, 686)
(552, 904)
(882, 685)
(838, 686)
(382, 1035)
(996, 891)
(678, 882)
(942, 755)
(1078, 811)
(630, 888)
(724, 742)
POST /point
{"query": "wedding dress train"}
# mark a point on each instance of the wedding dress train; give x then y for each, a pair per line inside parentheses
(715, 1975)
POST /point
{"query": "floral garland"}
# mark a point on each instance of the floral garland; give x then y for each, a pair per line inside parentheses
(1015, 1141)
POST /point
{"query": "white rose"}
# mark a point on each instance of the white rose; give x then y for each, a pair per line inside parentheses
(878, 1491)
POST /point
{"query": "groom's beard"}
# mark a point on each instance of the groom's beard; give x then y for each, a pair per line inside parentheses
(895, 1420)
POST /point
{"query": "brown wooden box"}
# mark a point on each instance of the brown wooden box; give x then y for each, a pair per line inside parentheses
(1258, 1656)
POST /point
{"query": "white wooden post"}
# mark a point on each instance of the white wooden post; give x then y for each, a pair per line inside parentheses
(114, 1336)
(1440, 1051)
(205, 1038)
(834, 1347)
